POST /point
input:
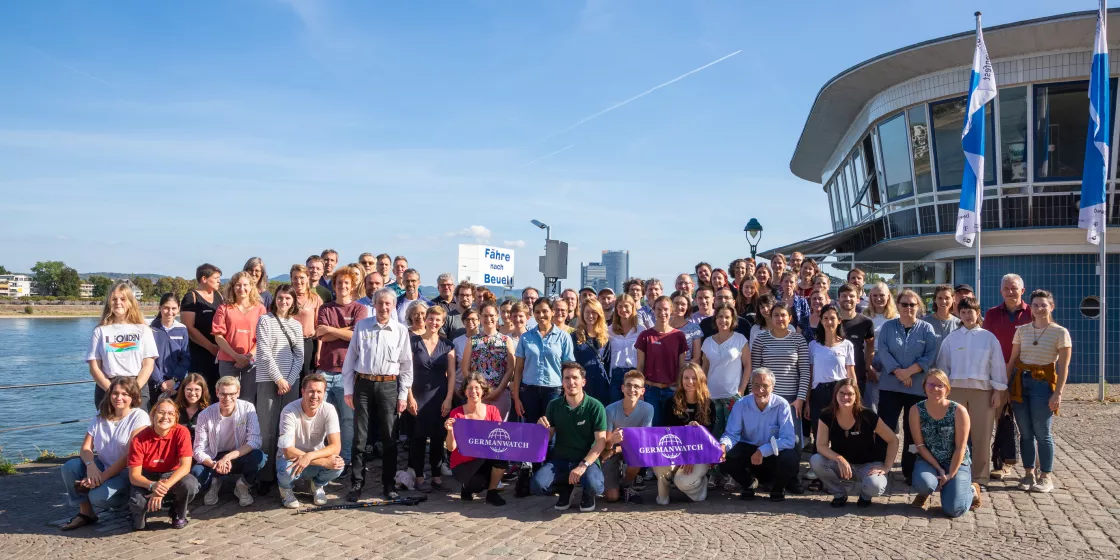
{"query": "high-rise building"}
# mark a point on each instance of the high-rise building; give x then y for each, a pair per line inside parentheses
(617, 264)
(593, 275)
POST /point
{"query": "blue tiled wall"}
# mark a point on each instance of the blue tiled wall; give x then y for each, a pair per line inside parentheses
(1071, 278)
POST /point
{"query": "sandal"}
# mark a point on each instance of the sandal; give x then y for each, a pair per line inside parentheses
(80, 520)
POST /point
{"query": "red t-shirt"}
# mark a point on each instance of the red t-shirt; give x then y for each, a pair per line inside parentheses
(159, 454)
(239, 329)
(492, 415)
(663, 352)
(1002, 323)
(333, 352)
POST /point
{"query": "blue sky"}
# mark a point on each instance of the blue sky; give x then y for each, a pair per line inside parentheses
(144, 136)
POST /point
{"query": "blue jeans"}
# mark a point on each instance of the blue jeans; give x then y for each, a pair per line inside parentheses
(599, 386)
(556, 471)
(956, 495)
(335, 395)
(248, 466)
(616, 383)
(320, 475)
(112, 494)
(1034, 418)
(657, 396)
(535, 398)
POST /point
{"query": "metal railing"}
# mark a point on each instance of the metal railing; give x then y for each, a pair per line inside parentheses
(49, 424)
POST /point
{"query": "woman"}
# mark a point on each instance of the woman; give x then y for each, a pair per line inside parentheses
(279, 362)
(255, 267)
(880, 306)
(746, 302)
(1039, 367)
(560, 315)
(689, 406)
(939, 428)
(943, 320)
(905, 348)
(817, 301)
(122, 345)
(475, 474)
(765, 305)
(832, 359)
(97, 477)
(787, 355)
(720, 279)
(235, 332)
(429, 398)
(414, 317)
(764, 276)
(198, 308)
(590, 350)
(852, 442)
(193, 397)
(778, 267)
(159, 465)
(806, 273)
(680, 320)
(308, 303)
(661, 351)
(623, 336)
(490, 354)
(726, 361)
(174, 360)
(471, 321)
(503, 314)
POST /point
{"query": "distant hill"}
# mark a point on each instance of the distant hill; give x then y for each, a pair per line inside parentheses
(118, 275)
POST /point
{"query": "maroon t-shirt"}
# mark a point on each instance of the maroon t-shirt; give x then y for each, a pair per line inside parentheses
(663, 352)
(334, 314)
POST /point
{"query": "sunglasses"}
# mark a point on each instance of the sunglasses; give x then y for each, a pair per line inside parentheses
(908, 305)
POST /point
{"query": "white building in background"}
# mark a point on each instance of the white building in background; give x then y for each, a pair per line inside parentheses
(17, 285)
(86, 290)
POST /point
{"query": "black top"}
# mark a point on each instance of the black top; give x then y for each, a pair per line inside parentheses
(203, 311)
(429, 375)
(859, 445)
(189, 421)
(670, 418)
(859, 330)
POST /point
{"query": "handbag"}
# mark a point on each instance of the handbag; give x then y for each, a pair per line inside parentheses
(1003, 444)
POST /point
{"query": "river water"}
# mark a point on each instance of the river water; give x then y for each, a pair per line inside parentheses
(41, 351)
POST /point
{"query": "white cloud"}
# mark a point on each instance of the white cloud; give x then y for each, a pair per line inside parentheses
(519, 244)
(481, 234)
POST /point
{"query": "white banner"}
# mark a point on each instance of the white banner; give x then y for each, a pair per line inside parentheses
(486, 265)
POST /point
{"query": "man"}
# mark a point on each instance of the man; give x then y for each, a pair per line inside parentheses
(635, 288)
(336, 322)
(630, 412)
(661, 350)
(309, 443)
(315, 269)
(330, 261)
(787, 292)
(685, 285)
(571, 297)
(374, 281)
(795, 261)
(445, 284)
(705, 304)
(227, 441)
(463, 300)
(1002, 320)
(723, 297)
(759, 440)
(961, 291)
(653, 291)
(860, 331)
(377, 375)
(400, 265)
(606, 299)
(703, 273)
(529, 297)
(857, 278)
(411, 295)
(384, 266)
(579, 424)
(585, 295)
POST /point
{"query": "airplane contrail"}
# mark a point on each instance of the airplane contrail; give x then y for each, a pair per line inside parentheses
(639, 96)
(67, 66)
(547, 156)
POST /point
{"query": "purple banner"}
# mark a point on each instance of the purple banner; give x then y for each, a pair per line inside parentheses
(665, 447)
(505, 441)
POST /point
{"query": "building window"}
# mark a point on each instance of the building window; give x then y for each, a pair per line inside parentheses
(1061, 123)
(919, 145)
(1013, 133)
(903, 223)
(896, 158)
(948, 123)
(873, 185)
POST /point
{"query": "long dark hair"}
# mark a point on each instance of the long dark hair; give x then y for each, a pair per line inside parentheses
(833, 407)
(285, 289)
(763, 301)
(818, 332)
(128, 383)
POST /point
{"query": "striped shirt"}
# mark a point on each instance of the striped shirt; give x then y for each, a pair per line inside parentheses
(277, 358)
(788, 358)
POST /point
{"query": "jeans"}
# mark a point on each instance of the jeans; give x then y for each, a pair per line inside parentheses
(247, 376)
(891, 405)
(269, 406)
(556, 471)
(535, 399)
(335, 395)
(617, 374)
(183, 492)
(657, 396)
(1035, 419)
(145, 401)
(376, 399)
(777, 470)
(871, 485)
(870, 392)
(111, 494)
(956, 495)
(319, 475)
(248, 466)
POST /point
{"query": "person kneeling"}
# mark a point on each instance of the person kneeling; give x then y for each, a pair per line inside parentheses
(227, 441)
(852, 442)
(630, 412)
(475, 475)
(579, 424)
(159, 463)
(690, 405)
(309, 443)
(940, 427)
(760, 439)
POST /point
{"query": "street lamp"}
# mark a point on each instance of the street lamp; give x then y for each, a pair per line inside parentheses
(753, 231)
(547, 230)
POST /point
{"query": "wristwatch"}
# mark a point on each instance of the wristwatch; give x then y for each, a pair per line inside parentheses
(584, 464)
(151, 486)
(88, 463)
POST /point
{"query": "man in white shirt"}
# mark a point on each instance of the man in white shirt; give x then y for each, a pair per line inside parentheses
(309, 443)
(377, 375)
(410, 296)
(227, 441)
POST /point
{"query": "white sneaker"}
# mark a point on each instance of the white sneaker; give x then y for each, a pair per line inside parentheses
(241, 490)
(288, 498)
(211, 496)
(1045, 483)
(1027, 482)
(320, 495)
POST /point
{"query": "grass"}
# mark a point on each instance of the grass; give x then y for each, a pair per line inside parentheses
(6, 467)
(45, 455)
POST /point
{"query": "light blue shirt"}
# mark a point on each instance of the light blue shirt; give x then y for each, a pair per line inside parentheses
(544, 356)
(368, 304)
(897, 349)
(756, 427)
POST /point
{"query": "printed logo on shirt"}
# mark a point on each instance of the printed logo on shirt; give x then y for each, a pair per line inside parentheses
(581, 422)
(123, 342)
(242, 331)
(176, 338)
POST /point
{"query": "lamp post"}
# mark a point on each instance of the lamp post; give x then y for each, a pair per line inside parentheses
(753, 231)
(549, 281)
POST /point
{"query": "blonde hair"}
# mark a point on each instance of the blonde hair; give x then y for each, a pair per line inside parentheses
(598, 329)
(939, 375)
(889, 310)
(132, 314)
(231, 296)
(616, 321)
(917, 298)
(262, 284)
(360, 285)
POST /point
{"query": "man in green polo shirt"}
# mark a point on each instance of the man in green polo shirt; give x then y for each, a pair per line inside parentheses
(579, 424)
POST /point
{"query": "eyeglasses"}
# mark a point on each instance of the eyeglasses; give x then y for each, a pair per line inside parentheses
(634, 386)
(907, 305)
(227, 395)
(934, 386)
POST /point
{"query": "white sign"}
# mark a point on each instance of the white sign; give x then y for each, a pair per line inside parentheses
(486, 265)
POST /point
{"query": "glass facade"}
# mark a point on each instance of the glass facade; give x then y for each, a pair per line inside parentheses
(1013, 134)
(919, 145)
(893, 144)
(948, 122)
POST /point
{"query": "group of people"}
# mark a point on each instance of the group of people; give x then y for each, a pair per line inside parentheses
(318, 377)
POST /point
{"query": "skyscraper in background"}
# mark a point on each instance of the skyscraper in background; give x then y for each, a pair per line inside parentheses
(593, 275)
(617, 264)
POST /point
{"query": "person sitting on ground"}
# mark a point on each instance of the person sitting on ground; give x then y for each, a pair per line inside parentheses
(191, 399)
(97, 477)
(579, 424)
(309, 443)
(630, 412)
(474, 474)
(760, 440)
(691, 405)
(159, 465)
(852, 442)
(228, 442)
(939, 427)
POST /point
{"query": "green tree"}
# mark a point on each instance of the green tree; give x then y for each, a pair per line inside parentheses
(145, 285)
(101, 285)
(163, 285)
(69, 283)
(181, 286)
(4, 270)
(48, 274)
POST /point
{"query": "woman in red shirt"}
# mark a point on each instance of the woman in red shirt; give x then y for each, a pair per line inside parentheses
(475, 474)
(235, 332)
(159, 463)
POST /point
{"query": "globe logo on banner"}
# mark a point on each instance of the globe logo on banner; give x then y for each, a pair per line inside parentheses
(672, 446)
(498, 440)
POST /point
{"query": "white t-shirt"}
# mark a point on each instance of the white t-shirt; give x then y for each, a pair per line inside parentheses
(623, 352)
(830, 362)
(110, 439)
(306, 433)
(122, 348)
(725, 365)
(227, 433)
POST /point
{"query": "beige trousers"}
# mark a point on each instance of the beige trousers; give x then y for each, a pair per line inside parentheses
(983, 420)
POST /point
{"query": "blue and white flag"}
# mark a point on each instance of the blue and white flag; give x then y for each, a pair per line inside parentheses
(981, 90)
(1093, 180)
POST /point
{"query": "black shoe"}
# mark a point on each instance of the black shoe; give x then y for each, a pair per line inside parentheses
(565, 500)
(521, 489)
(587, 502)
(839, 502)
(390, 495)
(346, 472)
(466, 496)
(864, 502)
(263, 488)
(494, 499)
(794, 487)
(355, 492)
(747, 494)
(777, 497)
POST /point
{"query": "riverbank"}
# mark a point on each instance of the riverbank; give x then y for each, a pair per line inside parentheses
(49, 311)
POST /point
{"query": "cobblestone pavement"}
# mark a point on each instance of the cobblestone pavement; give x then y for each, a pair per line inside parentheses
(1081, 519)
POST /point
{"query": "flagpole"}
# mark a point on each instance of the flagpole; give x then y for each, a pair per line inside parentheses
(979, 199)
(1104, 305)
